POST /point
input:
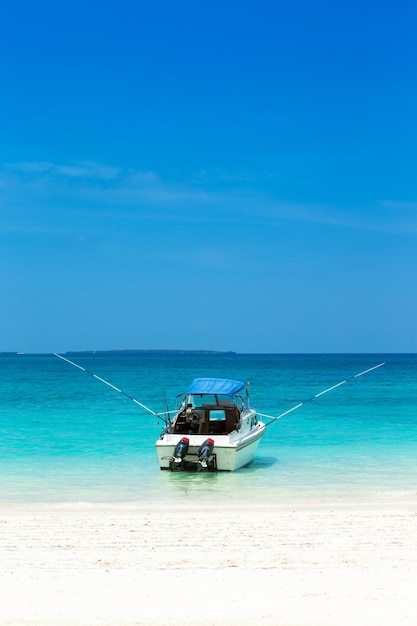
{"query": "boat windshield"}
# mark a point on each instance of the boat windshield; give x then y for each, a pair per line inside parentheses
(209, 399)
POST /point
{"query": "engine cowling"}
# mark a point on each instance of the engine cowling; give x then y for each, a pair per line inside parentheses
(204, 452)
(180, 452)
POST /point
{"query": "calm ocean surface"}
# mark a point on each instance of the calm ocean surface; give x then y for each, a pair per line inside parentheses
(66, 437)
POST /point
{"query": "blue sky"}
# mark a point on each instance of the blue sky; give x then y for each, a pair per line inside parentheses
(220, 175)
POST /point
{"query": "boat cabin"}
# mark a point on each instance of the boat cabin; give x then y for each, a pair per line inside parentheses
(210, 406)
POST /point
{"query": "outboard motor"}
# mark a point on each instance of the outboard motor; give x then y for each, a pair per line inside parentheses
(204, 451)
(180, 451)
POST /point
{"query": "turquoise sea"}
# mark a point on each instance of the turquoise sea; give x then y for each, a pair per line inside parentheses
(67, 438)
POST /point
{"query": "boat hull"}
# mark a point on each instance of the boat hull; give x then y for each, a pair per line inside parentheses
(230, 452)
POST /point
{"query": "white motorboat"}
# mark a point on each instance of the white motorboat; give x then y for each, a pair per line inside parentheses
(214, 428)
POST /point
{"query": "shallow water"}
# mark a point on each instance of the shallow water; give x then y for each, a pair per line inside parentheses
(66, 437)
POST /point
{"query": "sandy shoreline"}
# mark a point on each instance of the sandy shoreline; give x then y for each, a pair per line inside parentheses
(294, 563)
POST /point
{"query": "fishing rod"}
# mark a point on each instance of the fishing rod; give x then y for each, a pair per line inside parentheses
(317, 395)
(106, 382)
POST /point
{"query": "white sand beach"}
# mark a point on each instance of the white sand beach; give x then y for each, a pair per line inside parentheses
(296, 563)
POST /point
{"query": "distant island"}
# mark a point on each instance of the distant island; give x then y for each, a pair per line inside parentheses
(135, 352)
(121, 352)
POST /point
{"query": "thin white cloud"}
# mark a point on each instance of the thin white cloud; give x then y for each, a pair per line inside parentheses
(29, 167)
(142, 178)
(400, 206)
(91, 187)
(83, 169)
(90, 190)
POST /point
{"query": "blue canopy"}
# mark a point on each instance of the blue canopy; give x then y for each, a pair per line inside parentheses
(221, 386)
